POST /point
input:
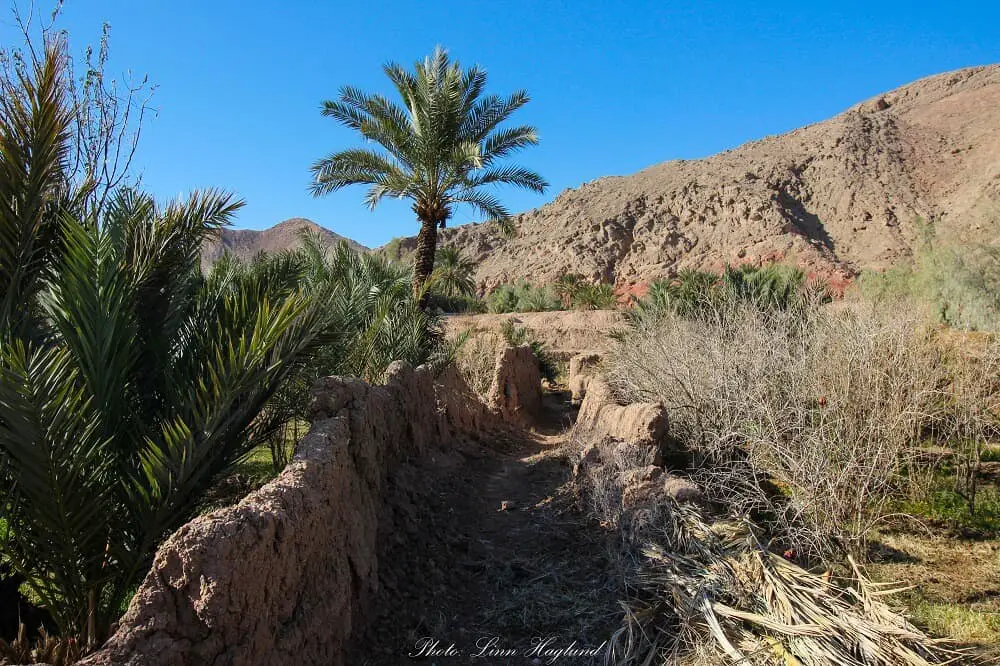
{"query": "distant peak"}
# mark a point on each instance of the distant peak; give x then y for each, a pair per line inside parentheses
(297, 222)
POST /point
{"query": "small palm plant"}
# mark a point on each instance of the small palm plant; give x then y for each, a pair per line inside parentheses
(689, 293)
(599, 296)
(440, 148)
(567, 286)
(128, 381)
(453, 273)
(376, 319)
(775, 286)
(373, 317)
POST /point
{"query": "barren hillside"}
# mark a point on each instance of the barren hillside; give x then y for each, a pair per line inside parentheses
(833, 197)
(245, 243)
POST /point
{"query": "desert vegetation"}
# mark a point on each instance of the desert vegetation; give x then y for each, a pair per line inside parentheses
(815, 433)
(960, 283)
(569, 292)
(690, 292)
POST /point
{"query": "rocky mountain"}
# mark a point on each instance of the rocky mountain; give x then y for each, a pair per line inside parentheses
(245, 243)
(833, 197)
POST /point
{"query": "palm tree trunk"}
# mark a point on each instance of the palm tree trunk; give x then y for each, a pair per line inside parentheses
(424, 264)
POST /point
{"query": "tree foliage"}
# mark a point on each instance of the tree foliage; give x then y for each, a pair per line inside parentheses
(453, 274)
(371, 314)
(128, 381)
(440, 146)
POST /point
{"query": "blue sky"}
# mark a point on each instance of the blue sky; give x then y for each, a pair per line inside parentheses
(616, 86)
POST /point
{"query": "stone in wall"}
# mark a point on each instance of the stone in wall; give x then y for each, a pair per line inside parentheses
(516, 392)
(582, 368)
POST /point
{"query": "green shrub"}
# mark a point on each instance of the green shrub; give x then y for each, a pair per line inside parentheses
(537, 298)
(775, 286)
(961, 284)
(375, 321)
(694, 292)
(456, 304)
(523, 297)
(567, 286)
(684, 295)
(595, 297)
(502, 299)
(570, 290)
(453, 274)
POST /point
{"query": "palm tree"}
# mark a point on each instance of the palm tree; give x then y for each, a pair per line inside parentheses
(128, 381)
(452, 274)
(440, 148)
(567, 286)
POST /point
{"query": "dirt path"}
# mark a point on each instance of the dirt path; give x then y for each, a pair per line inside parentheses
(509, 565)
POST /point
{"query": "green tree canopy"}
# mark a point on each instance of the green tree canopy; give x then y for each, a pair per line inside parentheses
(439, 146)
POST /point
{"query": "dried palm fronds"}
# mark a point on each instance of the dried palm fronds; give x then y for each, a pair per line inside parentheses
(715, 595)
(46, 649)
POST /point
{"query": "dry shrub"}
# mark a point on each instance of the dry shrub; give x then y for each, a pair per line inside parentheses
(969, 419)
(476, 360)
(44, 649)
(803, 418)
(607, 474)
(704, 592)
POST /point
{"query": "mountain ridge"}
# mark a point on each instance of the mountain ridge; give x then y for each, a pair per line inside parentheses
(245, 243)
(834, 197)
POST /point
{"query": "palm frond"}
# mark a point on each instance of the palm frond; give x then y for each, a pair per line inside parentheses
(34, 150)
(490, 112)
(507, 141)
(508, 175)
(58, 480)
(358, 167)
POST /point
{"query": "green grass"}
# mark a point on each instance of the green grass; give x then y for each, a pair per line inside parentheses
(250, 473)
(955, 621)
(943, 505)
(257, 466)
